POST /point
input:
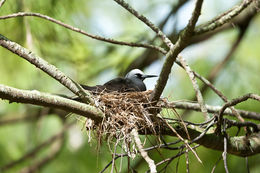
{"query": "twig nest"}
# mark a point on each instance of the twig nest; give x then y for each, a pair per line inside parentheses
(125, 111)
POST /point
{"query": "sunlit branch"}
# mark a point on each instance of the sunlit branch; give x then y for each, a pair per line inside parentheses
(211, 109)
(223, 18)
(50, 69)
(175, 50)
(195, 86)
(2, 3)
(43, 99)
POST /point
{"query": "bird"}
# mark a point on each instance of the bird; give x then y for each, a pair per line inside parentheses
(132, 82)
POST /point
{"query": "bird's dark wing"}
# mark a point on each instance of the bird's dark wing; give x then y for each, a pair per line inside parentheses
(117, 84)
(121, 85)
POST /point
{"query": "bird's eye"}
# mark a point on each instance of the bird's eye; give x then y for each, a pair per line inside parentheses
(138, 75)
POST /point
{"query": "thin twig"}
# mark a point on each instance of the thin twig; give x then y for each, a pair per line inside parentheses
(166, 146)
(187, 160)
(247, 165)
(195, 86)
(223, 18)
(236, 145)
(176, 156)
(178, 162)
(215, 71)
(113, 156)
(235, 102)
(214, 167)
(211, 109)
(173, 120)
(218, 67)
(231, 123)
(116, 157)
(96, 37)
(169, 160)
(220, 94)
(181, 138)
(224, 154)
(204, 132)
(146, 21)
(174, 9)
(143, 152)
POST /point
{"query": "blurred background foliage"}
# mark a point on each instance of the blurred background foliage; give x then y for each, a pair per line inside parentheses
(94, 62)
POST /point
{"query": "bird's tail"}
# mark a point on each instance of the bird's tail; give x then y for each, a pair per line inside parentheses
(89, 88)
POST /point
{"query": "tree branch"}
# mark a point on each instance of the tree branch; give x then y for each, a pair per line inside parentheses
(239, 145)
(195, 86)
(174, 51)
(51, 70)
(223, 18)
(232, 103)
(143, 152)
(96, 37)
(2, 3)
(47, 100)
(220, 94)
(146, 21)
(149, 56)
(214, 72)
(174, 9)
(211, 109)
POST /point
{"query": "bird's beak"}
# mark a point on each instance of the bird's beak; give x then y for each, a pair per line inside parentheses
(149, 76)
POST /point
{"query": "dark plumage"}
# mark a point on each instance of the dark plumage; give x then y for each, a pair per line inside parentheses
(133, 81)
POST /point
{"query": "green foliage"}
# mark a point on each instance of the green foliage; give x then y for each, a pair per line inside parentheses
(86, 60)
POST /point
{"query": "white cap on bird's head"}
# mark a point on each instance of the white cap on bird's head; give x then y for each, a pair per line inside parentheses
(138, 74)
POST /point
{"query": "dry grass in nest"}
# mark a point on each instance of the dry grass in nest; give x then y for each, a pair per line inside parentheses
(124, 112)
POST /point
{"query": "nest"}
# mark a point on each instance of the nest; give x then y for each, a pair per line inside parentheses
(124, 112)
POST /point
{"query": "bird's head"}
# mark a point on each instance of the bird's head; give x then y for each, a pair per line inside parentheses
(138, 74)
